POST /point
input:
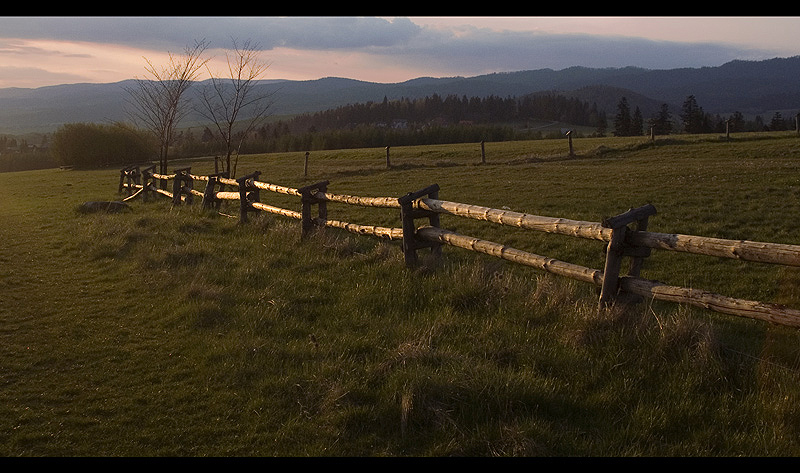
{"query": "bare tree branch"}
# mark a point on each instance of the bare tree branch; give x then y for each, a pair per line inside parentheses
(235, 99)
(157, 103)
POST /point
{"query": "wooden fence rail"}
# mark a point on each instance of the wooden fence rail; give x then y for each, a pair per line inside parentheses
(622, 240)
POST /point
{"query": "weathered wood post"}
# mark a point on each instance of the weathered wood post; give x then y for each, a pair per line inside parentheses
(483, 153)
(121, 179)
(135, 175)
(639, 253)
(128, 176)
(305, 166)
(178, 188)
(209, 194)
(619, 247)
(147, 182)
(408, 212)
(248, 194)
(388, 163)
(652, 133)
(308, 198)
(122, 175)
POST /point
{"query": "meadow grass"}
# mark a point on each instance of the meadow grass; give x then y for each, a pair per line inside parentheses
(169, 331)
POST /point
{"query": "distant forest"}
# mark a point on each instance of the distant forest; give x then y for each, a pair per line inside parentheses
(429, 120)
(461, 119)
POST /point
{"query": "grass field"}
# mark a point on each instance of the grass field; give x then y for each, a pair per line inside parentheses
(167, 331)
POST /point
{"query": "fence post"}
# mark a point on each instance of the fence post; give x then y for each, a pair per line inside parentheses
(210, 192)
(569, 137)
(305, 166)
(121, 179)
(131, 175)
(388, 163)
(123, 173)
(619, 247)
(307, 196)
(181, 177)
(483, 153)
(411, 243)
(147, 181)
(247, 194)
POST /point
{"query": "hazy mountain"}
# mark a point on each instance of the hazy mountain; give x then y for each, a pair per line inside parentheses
(750, 87)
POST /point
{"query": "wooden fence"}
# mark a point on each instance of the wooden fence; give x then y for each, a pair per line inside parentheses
(626, 235)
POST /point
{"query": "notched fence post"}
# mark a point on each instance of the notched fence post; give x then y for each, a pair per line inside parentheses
(248, 194)
(619, 247)
(132, 175)
(182, 177)
(210, 192)
(148, 182)
(408, 213)
(308, 198)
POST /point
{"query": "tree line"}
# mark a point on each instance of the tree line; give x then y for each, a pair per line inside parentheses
(691, 119)
(429, 120)
(449, 110)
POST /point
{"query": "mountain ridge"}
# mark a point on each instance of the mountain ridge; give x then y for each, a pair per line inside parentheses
(750, 87)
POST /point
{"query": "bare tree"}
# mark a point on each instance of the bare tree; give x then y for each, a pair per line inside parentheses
(226, 101)
(158, 103)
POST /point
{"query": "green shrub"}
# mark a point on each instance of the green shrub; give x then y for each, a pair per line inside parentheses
(91, 144)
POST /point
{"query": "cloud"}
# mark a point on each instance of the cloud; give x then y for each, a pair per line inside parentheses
(30, 77)
(174, 33)
(15, 48)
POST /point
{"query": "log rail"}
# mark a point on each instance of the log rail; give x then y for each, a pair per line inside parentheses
(622, 240)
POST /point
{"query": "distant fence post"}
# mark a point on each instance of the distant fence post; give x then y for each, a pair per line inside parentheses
(411, 243)
(483, 153)
(618, 247)
(388, 163)
(308, 199)
(569, 137)
(248, 193)
(305, 166)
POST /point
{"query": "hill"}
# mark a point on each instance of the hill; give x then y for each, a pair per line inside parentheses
(750, 87)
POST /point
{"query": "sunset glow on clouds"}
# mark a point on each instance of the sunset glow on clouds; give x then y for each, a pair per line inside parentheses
(41, 51)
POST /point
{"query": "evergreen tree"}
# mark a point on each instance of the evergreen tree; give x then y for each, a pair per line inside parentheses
(777, 123)
(736, 122)
(662, 122)
(622, 121)
(637, 123)
(692, 116)
(602, 124)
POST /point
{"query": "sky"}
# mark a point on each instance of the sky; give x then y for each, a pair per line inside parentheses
(43, 51)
